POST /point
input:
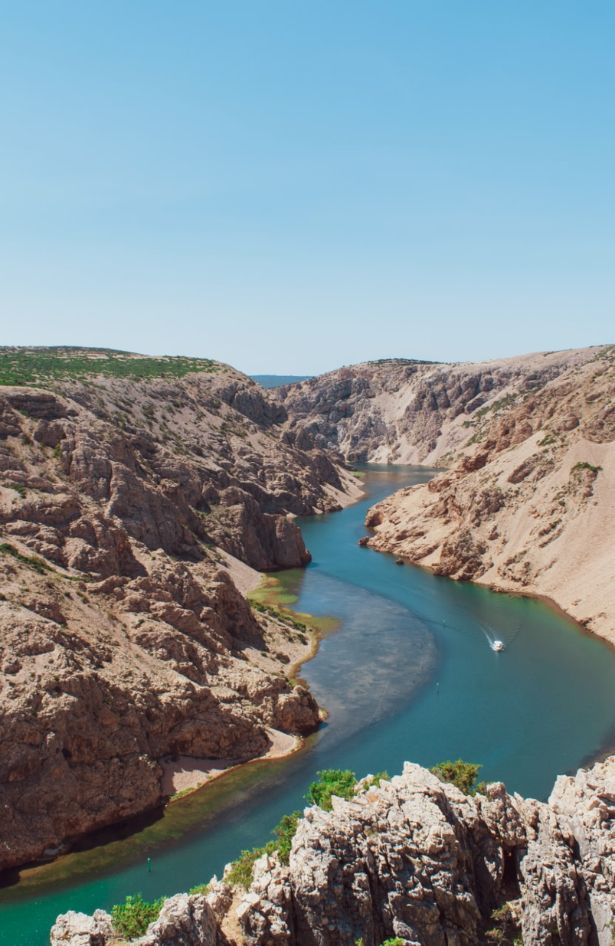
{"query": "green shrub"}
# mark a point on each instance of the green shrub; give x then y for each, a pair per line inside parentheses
(580, 467)
(374, 780)
(340, 782)
(200, 888)
(285, 832)
(18, 487)
(459, 773)
(506, 929)
(393, 941)
(38, 564)
(241, 871)
(132, 918)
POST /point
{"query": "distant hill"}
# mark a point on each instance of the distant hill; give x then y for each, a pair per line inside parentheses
(277, 380)
(40, 365)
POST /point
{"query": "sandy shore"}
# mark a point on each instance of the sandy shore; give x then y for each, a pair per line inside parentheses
(187, 774)
(245, 578)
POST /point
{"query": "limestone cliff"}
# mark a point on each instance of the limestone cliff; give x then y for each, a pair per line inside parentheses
(402, 411)
(416, 859)
(124, 643)
(529, 505)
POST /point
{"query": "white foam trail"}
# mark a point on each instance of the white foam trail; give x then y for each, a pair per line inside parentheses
(494, 643)
(490, 639)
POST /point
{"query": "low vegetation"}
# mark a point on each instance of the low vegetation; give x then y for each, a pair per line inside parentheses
(505, 931)
(373, 781)
(18, 487)
(41, 567)
(504, 402)
(285, 832)
(132, 918)
(460, 773)
(275, 596)
(201, 889)
(582, 466)
(32, 561)
(285, 615)
(37, 366)
(241, 871)
(392, 941)
(330, 782)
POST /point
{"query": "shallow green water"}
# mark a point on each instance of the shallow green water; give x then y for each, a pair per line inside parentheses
(409, 675)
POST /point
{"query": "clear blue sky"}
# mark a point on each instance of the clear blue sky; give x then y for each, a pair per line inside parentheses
(291, 186)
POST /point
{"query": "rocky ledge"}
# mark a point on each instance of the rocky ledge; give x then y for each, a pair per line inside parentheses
(414, 858)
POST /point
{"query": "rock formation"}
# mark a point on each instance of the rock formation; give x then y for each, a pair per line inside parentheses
(417, 859)
(528, 505)
(402, 411)
(123, 641)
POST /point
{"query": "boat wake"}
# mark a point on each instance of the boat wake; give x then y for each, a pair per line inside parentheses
(494, 642)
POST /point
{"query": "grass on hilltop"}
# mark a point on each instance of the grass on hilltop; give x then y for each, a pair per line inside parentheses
(31, 366)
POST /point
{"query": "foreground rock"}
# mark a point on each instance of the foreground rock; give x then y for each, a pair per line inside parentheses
(124, 643)
(528, 506)
(416, 859)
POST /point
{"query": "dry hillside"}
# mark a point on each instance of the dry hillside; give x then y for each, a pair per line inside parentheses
(529, 504)
(124, 644)
(402, 411)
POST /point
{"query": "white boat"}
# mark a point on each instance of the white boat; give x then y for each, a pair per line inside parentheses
(497, 645)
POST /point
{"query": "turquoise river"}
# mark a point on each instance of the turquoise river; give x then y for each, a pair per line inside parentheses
(408, 675)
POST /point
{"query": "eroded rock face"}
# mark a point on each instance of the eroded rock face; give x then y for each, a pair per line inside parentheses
(123, 642)
(417, 859)
(527, 506)
(401, 411)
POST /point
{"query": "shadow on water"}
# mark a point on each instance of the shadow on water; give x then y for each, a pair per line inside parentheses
(409, 675)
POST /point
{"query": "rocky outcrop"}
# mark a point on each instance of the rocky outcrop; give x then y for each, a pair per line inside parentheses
(402, 411)
(415, 858)
(528, 505)
(124, 643)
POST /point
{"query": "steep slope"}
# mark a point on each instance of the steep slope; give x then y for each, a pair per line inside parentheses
(124, 643)
(530, 504)
(401, 411)
(414, 858)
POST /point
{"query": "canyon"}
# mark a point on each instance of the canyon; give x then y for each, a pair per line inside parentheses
(139, 501)
(525, 504)
(127, 503)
